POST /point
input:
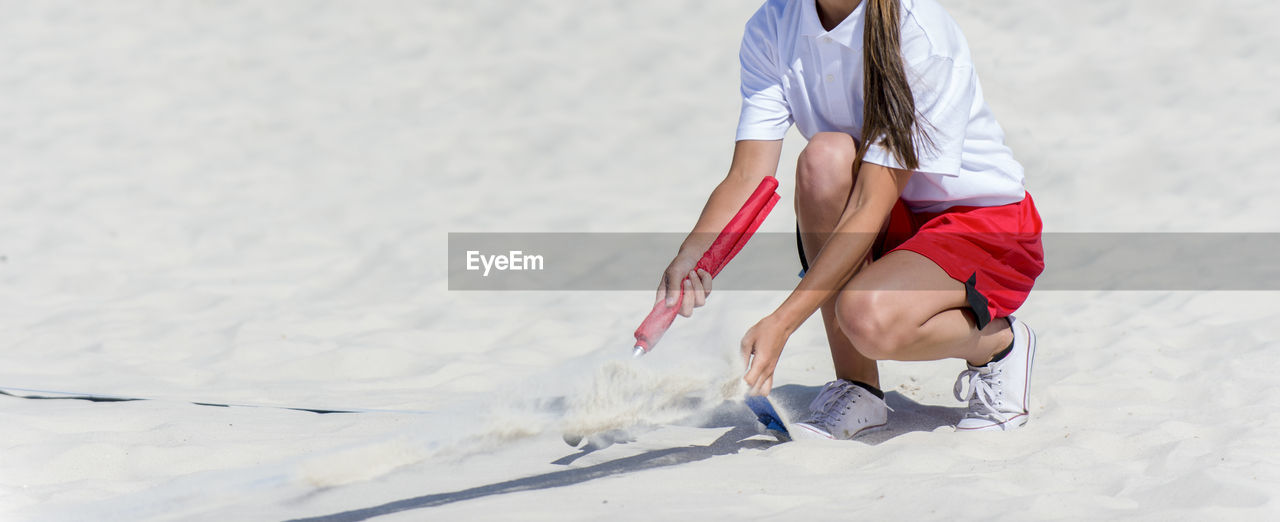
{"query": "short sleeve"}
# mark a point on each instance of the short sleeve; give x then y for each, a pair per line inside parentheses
(944, 92)
(765, 114)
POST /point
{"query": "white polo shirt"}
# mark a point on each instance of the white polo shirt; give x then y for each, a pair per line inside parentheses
(796, 72)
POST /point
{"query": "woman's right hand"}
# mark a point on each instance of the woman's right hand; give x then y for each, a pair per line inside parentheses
(697, 284)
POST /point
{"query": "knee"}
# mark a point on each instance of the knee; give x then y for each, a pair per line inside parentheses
(826, 164)
(871, 324)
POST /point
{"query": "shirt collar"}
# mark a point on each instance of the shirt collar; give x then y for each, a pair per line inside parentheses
(848, 33)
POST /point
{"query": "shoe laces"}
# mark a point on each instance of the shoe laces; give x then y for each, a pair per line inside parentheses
(831, 404)
(823, 409)
(985, 388)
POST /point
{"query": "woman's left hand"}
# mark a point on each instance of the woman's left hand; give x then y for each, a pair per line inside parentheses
(764, 341)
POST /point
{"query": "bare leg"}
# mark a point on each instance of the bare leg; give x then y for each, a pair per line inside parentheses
(956, 331)
(824, 181)
(904, 307)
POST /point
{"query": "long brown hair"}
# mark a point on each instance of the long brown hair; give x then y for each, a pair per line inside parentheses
(889, 109)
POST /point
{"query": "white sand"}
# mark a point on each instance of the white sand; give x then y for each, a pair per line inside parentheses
(248, 202)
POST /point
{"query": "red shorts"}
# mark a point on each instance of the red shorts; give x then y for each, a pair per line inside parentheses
(995, 251)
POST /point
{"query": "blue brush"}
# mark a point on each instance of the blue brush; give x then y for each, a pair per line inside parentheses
(767, 415)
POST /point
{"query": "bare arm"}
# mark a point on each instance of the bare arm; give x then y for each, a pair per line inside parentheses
(874, 195)
(752, 161)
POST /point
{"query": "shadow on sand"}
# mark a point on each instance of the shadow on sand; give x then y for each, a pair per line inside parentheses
(908, 416)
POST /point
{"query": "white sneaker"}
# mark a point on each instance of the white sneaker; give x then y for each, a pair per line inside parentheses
(841, 411)
(999, 392)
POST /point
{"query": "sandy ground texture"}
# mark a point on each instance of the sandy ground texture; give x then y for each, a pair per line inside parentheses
(248, 203)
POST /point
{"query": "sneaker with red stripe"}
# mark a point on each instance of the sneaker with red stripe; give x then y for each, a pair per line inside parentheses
(841, 411)
(999, 392)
